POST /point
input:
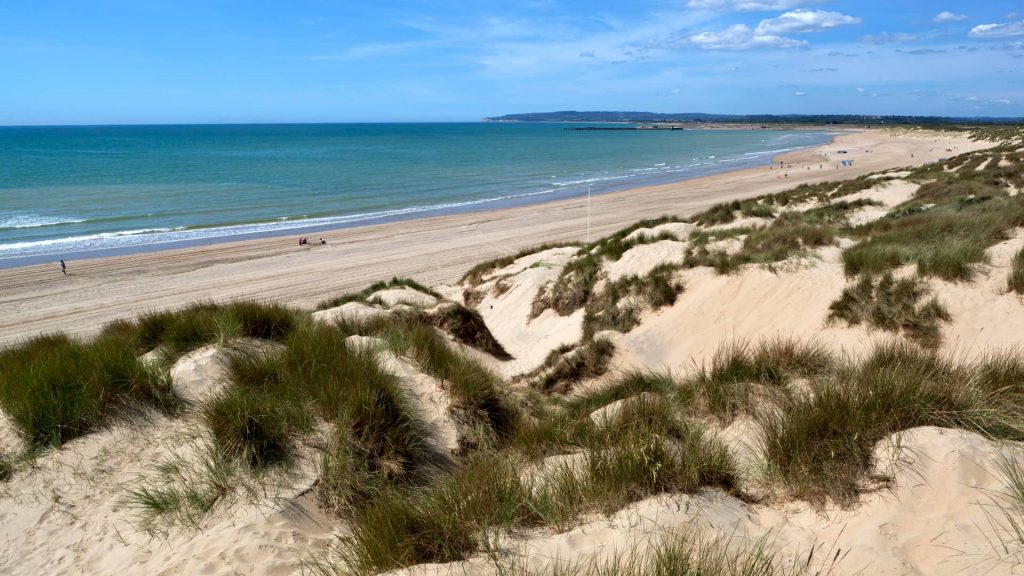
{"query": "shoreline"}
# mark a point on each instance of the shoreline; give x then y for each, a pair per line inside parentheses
(434, 250)
(240, 232)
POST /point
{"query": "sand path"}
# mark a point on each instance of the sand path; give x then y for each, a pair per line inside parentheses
(35, 299)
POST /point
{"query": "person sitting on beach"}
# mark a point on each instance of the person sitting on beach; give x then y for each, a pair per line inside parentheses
(322, 241)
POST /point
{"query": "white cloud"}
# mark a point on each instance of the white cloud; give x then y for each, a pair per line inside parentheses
(997, 30)
(799, 93)
(861, 90)
(946, 16)
(888, 38)
(799, 21)
(747, 5)
(769, 33)
(741, 37)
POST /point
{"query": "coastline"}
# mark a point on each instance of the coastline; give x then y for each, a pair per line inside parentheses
(433, 250)
(147, 237)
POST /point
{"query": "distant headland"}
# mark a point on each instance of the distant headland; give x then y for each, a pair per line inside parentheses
(765, 119)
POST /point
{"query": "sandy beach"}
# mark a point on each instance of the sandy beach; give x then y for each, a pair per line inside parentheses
(36, 299)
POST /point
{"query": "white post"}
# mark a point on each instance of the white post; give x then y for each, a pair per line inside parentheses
(588, 213)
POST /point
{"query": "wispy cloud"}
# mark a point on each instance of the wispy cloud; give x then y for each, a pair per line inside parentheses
(375, 50)
(946, 16)
(997, 30)
(748, 5)
(888, 38)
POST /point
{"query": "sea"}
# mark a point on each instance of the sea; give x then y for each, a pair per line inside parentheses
(85, 191)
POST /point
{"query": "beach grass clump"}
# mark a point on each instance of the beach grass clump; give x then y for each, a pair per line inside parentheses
(55, 388)
(177, 332)
(563, 369)
(184, 489)
(626, 385)
(362, 295)
(1015, 281)
(892, 305)
(468, 327)
(688, 553)
(646, 450)
(821, 445)
(725, 213)
(1011, 471)
(619, 304)
(485, 411)
(726, 387)
(443, 522)
(475, 275)
(274, 397)
(574, 287)
(942, 230)
(254, 425)
(6, 469)
(650, 453)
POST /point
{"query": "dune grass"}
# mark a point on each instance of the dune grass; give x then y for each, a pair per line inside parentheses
(687, 553)
(184, 490)
(725, 388)
(362, 295)
(893, 305)
(649, 453)
(944, 230)
(561, 370)
(177, 332)
(821, 445)
(475, 275)
(475, 390)
(468, 327)
(55, 388)
(6, 469)
(620, 303)
(1015, 281)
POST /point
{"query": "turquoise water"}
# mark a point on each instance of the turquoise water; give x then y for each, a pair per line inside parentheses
(75, 191)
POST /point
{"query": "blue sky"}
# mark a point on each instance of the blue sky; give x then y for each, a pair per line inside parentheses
(139, 61)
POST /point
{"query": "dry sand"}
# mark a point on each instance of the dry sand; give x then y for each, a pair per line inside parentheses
(36, 299)
(68, 512)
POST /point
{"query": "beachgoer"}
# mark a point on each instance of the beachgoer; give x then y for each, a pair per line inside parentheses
(63, 267)
(322, 241)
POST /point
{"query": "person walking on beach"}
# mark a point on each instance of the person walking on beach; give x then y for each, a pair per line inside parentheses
(63, 267)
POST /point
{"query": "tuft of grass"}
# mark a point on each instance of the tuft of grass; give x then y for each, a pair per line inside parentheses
(362, 295)
(562, 371)
(1012, 471)
(946, 240)
(475, 275)
(6, 469)
(481, 407)
(893, 305)
(821, 445)
(252, 425)
(724, 387)
(447, 520)
(183, 490)
(688, 553)
(443, 522)
(1015, 281)
(55, 388)
(619, 304)
(468, 327)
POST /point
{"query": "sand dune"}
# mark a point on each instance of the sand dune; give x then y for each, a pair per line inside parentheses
(943, 510)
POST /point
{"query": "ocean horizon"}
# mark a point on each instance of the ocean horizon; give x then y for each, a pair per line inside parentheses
(87, 191)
